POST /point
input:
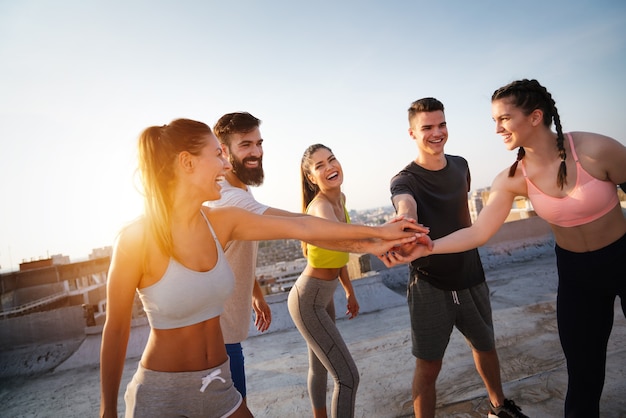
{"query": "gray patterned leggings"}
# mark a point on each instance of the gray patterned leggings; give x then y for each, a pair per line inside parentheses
(312, 309)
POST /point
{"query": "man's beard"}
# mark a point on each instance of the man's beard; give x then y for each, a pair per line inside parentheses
(248, 176)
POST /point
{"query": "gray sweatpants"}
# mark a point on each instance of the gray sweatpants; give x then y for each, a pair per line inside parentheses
(312, 309)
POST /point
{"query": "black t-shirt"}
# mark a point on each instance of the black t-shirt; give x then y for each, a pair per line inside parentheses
(441, 198)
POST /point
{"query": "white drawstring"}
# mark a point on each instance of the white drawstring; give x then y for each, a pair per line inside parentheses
(455, 298)
(211, 377)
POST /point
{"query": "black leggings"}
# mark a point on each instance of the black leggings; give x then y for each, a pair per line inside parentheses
(588, 285)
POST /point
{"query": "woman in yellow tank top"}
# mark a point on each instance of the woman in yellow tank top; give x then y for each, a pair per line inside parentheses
(310, 300)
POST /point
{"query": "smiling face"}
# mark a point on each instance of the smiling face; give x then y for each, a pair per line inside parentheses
(512, 124)
(211, 166)
(324, 170)
(245, 153)
(430, 132)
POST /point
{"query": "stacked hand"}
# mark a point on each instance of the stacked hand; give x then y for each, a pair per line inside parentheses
(406, 252)
(401, 231)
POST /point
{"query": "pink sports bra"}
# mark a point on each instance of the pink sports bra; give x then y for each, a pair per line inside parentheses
(589, 200)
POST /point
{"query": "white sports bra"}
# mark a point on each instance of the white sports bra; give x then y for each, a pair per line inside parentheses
(184, 297)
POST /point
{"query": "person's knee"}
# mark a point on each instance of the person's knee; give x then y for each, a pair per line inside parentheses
(348, 377)
(427, 371)
(485, 356)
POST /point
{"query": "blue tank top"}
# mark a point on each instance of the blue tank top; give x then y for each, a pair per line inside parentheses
(184, 297)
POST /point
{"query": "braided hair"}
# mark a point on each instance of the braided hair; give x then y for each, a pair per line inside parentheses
(529, 95)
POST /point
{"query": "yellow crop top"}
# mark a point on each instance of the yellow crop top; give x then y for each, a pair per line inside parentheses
(327, 259)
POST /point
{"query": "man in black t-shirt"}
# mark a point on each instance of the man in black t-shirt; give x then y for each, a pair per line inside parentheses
(444, 290)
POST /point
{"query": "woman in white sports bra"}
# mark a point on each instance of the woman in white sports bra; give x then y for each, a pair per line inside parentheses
(571, 180)
(172, 258)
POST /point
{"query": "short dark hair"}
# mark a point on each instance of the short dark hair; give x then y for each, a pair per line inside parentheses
(427, 104)
(234, 123)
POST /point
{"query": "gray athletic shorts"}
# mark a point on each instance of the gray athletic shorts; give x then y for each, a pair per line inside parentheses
(206, 393)
(435, 312)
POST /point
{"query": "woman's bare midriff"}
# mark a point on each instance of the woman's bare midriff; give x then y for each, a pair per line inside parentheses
(594, 235)
(185, 349)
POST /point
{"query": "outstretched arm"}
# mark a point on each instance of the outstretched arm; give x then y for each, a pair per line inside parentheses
(489, 221)
(231, 223)
(487, 224)
(406, 205)
(375, 246)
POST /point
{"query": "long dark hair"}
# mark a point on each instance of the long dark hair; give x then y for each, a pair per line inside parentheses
(529, 95)
(309, 189)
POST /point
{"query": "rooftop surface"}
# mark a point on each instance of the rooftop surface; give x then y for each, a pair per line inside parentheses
(533, 368)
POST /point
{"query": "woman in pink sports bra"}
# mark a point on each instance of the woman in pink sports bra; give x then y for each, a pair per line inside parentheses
(572, 184)
(172, 257)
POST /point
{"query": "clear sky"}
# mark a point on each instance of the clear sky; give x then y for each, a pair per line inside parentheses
(79, 80)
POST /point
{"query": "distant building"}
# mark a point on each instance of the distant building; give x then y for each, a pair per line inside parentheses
(54, 260)
(101, 252)
(281, 276)
(55, 282)
(521, 208)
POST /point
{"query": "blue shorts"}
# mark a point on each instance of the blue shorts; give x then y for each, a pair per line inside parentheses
(237, 367)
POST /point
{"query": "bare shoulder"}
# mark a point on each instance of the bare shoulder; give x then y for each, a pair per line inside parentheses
(223, 213)
(319, 207)
(601, 156)
(595, 145)
(129, 254)
(133, 235)
(512, 185)
(226, 219)
(221, 217)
